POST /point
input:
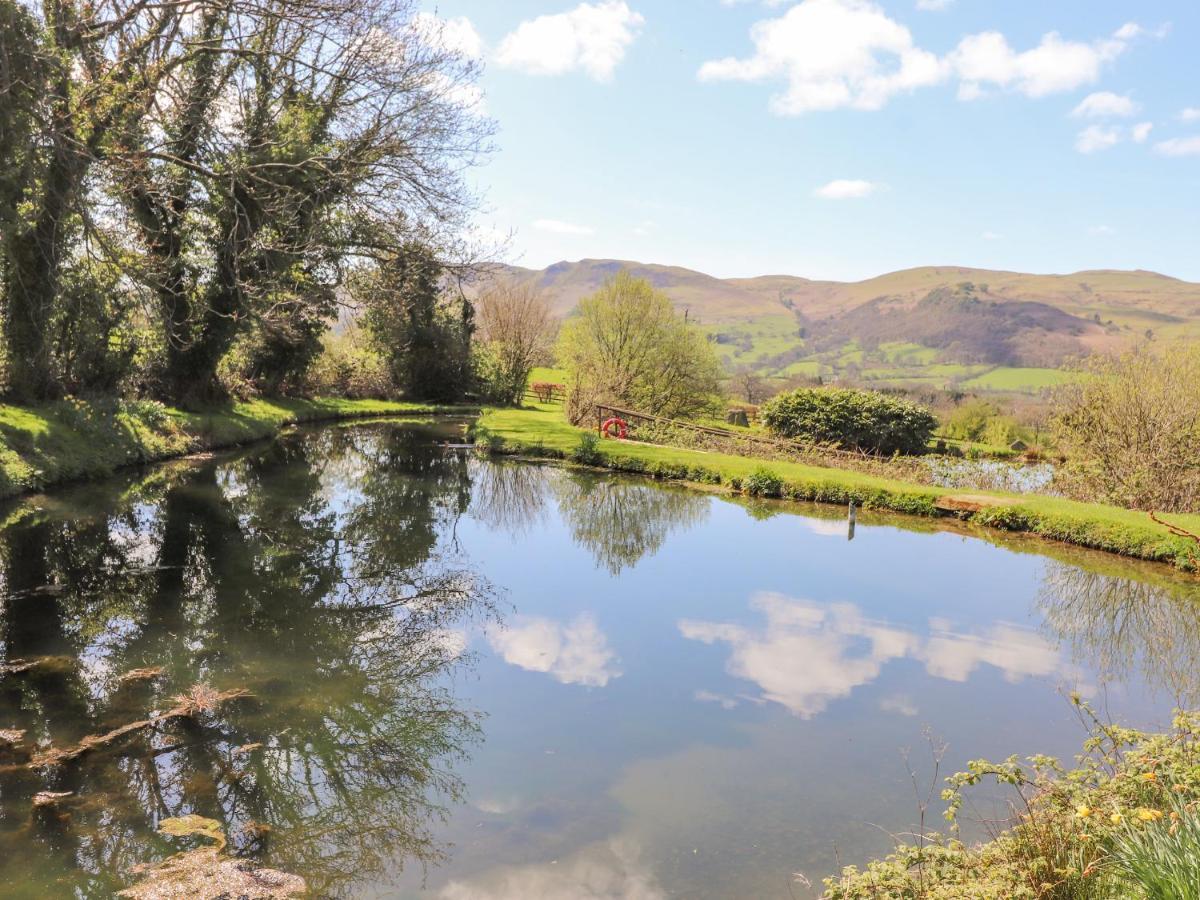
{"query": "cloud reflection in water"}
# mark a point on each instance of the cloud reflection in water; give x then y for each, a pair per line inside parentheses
(808, 654)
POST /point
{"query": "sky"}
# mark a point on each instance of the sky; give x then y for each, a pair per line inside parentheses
(840, 138)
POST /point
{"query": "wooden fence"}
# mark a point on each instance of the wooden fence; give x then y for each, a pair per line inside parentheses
(747, 443)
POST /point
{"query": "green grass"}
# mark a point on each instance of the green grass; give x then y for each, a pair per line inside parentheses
(78, 439)
(1028, 380)
(545, 373)
(541, 431)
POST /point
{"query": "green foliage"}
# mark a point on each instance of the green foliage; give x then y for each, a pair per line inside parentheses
(588, 451)
(348, 366)
(1159, 853)
(627, 346)
(422, 333)
(762, 482)
(1131, 430)
(1122, 824)
(860, 420)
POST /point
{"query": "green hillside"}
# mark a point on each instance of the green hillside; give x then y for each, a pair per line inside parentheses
(934, 326)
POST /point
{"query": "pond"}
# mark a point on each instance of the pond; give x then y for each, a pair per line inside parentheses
(490, 679)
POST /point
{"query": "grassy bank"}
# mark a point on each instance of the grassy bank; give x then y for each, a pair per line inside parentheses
(78, 439)
(541, 431)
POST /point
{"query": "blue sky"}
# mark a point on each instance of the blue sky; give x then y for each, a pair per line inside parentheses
(842, 138)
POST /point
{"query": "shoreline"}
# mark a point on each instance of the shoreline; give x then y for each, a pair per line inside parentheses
(540, 432)
(77, 440)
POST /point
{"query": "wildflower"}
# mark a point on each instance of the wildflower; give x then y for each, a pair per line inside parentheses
(1083, 811)
(1149, 815)
(1149, 776)
(1115, 818)
(1174, 816)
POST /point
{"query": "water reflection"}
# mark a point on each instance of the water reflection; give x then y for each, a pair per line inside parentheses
(682, 735)
(575, 653)
(340, 618)
(808, 654)
(1125, 627)
(623, 521)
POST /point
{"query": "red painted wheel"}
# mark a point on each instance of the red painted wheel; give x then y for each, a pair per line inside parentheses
(615, 427)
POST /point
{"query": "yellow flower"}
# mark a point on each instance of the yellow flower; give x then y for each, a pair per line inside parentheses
(1149, 776)
(1115, 818)
(1083, 811)
(1149, 815)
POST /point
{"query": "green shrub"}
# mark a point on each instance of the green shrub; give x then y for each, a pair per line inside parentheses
(762, 482)
(349, 367)
(587, 452)
(859, 420)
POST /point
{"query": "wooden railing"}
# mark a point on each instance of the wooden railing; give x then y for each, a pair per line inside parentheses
(779, 445)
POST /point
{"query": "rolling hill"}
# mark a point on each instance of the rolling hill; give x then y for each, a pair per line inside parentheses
(933, 325)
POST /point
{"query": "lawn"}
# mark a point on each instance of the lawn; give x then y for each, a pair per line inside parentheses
(79, 439)
(541, 431)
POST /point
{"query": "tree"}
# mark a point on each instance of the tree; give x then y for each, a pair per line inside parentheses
(69, 75)
(422, 330)
(515, 330)
(627, 345)
(748, 385)
(272, 160)
(1130, 429)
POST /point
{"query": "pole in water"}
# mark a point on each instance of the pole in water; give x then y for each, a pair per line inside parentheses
(851, 519)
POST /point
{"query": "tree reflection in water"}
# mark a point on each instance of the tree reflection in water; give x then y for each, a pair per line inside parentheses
(621, 522)
(1123, 626)
(317, 573)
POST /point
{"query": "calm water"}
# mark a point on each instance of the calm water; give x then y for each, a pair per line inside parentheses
(476, 679)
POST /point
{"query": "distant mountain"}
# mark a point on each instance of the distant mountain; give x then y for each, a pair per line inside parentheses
(968, 316)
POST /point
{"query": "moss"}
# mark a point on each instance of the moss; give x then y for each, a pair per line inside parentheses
(540, 430)
(75, 439)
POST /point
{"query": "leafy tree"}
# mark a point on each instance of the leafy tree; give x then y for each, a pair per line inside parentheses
(70, 72)
(627, 345)
(516, 329)
(422, 330)
(1130, 429)
(857, 420)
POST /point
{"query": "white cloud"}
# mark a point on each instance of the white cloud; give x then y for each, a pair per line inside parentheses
(606, 870)
(834, 54)
(845, 189)
(592, 38)
(576, 653)
(556, 226)
(1104, 104)
(991, 236)
(1017, 652)
(1096, 137)
(987, 60)
(1189, 114)
(1189, 146)
(808, 654)
(644, 229)
(1141, 131)
(457, 35)
(901, 704)
(1102, 230)
(934, 5)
